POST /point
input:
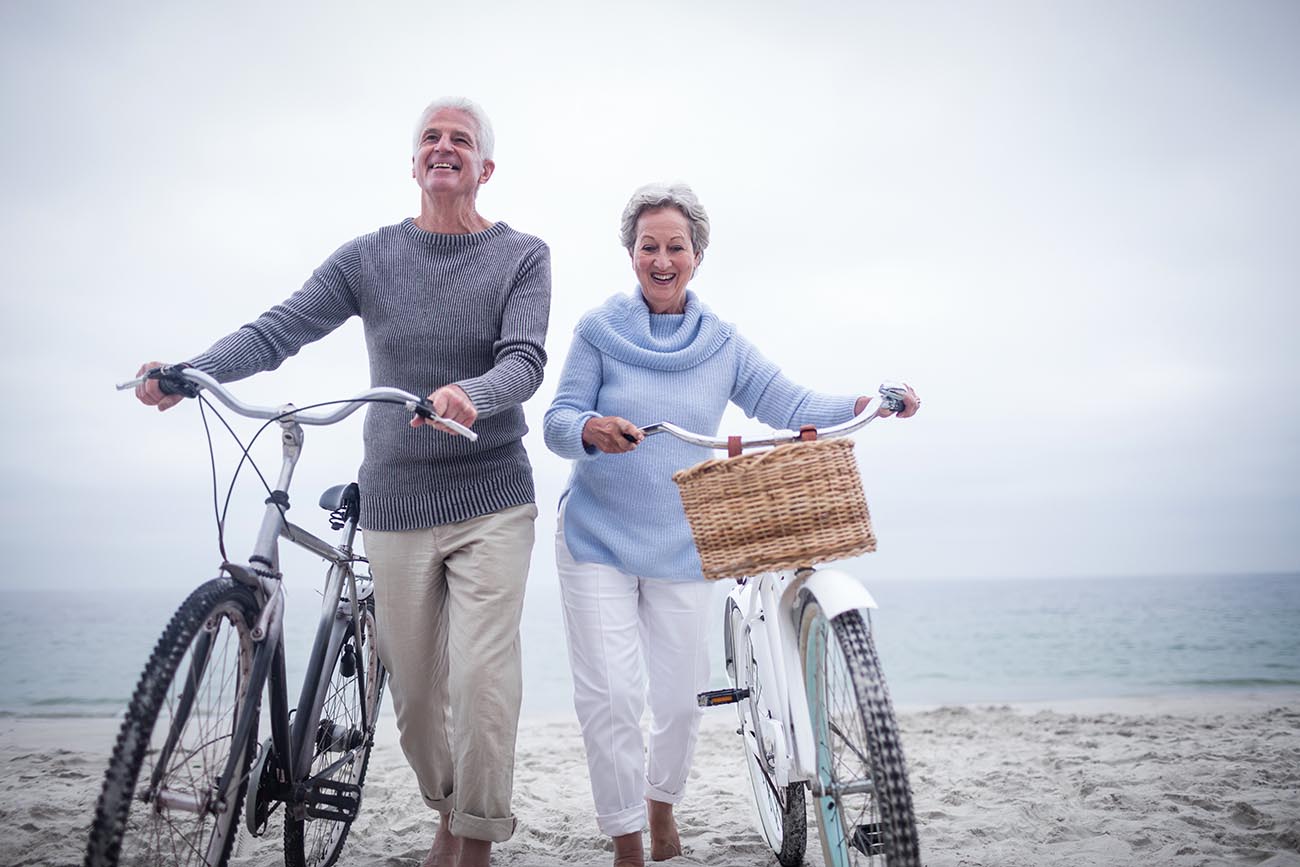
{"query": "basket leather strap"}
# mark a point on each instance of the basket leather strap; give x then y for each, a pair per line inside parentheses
(733, 447)
(807, 433)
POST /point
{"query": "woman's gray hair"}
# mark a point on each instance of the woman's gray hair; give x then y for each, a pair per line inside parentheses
(486, 140)
(678, 196)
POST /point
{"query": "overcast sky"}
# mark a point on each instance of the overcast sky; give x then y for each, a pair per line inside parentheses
(1072, 227)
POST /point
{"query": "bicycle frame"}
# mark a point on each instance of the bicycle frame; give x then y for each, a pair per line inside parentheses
(293, 743)
(776, 638)
(293, 746)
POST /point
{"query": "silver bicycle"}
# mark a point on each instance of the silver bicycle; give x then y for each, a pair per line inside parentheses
(187, 753)
(815, 714)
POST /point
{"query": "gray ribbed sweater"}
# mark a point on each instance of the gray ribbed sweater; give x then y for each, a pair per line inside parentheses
(437, 309)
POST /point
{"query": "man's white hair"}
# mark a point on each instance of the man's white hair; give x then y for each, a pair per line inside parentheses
(486, 141)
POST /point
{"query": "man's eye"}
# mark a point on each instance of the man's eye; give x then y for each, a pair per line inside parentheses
(647, 249)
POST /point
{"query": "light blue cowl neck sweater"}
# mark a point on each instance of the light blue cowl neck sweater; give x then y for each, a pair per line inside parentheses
(623, 510)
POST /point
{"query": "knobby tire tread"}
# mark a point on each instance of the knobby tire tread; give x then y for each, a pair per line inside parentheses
(886, 752)
(115, 801)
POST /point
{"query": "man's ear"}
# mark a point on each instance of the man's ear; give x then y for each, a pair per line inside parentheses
(488, 168)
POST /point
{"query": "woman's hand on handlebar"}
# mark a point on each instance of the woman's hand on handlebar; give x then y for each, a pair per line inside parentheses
(450, 402)
(150, 393)
(911, 403)
(611, 434)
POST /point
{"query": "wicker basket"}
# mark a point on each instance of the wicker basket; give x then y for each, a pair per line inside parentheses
(790, 507)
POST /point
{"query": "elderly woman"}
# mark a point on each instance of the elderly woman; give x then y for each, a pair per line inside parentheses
(634, 596)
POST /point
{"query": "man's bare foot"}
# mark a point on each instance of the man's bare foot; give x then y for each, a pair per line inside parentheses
(628, 851)
(445, 851)
(664, 841)
(474, 853)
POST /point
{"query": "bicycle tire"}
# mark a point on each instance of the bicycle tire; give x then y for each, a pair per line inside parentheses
(782, 811)
(318, 842)
(184, 743)
(858, 746)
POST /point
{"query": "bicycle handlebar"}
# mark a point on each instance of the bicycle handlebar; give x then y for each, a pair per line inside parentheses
(891, 398)
(189, 382)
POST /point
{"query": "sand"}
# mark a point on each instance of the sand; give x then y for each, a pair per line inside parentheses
(1194, 781)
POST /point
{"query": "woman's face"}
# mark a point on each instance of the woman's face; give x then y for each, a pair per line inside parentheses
(664, 259)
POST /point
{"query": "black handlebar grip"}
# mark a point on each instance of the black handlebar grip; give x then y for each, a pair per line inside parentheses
(170, 381)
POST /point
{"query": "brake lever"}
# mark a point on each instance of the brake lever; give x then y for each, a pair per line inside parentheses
(423, 410)
(891, 396)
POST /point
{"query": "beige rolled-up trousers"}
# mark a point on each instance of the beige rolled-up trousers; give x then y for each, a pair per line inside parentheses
(448, 601)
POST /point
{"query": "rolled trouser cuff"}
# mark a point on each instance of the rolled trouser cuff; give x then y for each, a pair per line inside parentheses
(442, 805)
(655, 794)
(478, 828)
(629, 821)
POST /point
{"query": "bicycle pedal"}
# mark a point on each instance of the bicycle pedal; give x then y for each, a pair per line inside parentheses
(715, 697)
(330, 799)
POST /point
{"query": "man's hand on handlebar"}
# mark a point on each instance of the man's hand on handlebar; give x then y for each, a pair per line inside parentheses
(150, 393)
(450, 402)
(611, 434)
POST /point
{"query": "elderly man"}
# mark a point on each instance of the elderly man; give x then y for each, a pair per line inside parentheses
(454, 304)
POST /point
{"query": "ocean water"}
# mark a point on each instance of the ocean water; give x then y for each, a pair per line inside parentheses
(79, 653)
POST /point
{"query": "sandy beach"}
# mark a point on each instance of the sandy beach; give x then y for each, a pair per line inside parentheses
(1189, 781)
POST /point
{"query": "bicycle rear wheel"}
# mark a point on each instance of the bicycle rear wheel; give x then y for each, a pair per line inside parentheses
(317, 839)
(864, 809)
(782, 810)
(165, 800)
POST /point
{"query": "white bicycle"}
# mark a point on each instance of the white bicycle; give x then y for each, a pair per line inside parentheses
(815, 714)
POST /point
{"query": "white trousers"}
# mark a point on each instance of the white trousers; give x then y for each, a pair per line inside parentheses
(633, 639)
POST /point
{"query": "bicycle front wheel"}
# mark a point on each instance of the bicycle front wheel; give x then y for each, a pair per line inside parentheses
(862, 798)
(782, 810)
(166, 796)
(353, 679)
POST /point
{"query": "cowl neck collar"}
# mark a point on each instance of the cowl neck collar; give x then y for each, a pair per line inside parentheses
(625, 329)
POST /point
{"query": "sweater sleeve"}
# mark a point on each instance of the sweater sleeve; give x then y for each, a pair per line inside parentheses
(575, 402)
(324, 303)
(519, 352)
(765, 393)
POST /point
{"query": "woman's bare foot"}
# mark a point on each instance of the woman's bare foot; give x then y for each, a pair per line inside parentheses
(445, 851)
(628, 851)
(664, 841)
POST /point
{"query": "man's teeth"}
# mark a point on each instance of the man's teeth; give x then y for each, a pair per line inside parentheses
(662, 278)
(441, 166)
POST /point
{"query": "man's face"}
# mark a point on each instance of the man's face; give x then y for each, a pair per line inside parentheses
(447, 160)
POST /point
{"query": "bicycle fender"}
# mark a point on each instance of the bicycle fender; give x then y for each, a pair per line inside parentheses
(837, 592)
